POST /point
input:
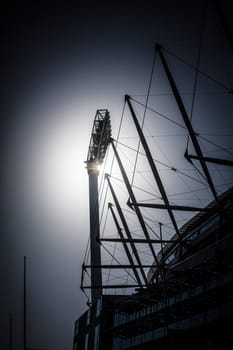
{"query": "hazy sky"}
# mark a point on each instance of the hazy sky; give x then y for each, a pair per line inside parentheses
(60, 64)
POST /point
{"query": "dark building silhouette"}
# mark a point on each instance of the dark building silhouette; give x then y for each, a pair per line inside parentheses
(192, 307)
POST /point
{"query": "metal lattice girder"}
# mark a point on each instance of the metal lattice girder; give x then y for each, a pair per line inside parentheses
(110, 266)
(225, 162)
(136, 240)
(113, 286)
(100, 137)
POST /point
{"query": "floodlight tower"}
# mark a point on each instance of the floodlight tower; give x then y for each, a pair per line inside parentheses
(100, 139)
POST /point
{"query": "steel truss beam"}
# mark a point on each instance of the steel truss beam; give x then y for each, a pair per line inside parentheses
(100, 137)
(211, 160)
(137, 240)
(113, 286)
(133, 199)
(188, 125)
(126, 228)
(152, 166)
(109, 266)
(129, 256)
(162, 206)
(158, 180)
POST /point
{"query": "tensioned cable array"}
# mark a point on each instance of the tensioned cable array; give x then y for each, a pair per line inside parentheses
(145, 110)
(183, 174)
(197, 65)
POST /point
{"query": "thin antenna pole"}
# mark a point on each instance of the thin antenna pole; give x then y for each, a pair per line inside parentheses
(11, 331)
(25, 303)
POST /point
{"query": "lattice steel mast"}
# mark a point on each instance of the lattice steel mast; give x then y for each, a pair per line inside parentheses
(100, 138)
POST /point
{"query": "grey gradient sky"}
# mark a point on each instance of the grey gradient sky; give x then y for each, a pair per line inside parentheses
(60, 64)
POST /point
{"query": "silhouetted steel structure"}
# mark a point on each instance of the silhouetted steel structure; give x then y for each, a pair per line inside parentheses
(100, 138)
(185, 299)
(191, 308)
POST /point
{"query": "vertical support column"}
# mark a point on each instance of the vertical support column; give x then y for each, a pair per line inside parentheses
(96, 277)
(99, 142)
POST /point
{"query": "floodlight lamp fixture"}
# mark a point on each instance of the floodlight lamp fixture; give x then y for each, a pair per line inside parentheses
(100, 139)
